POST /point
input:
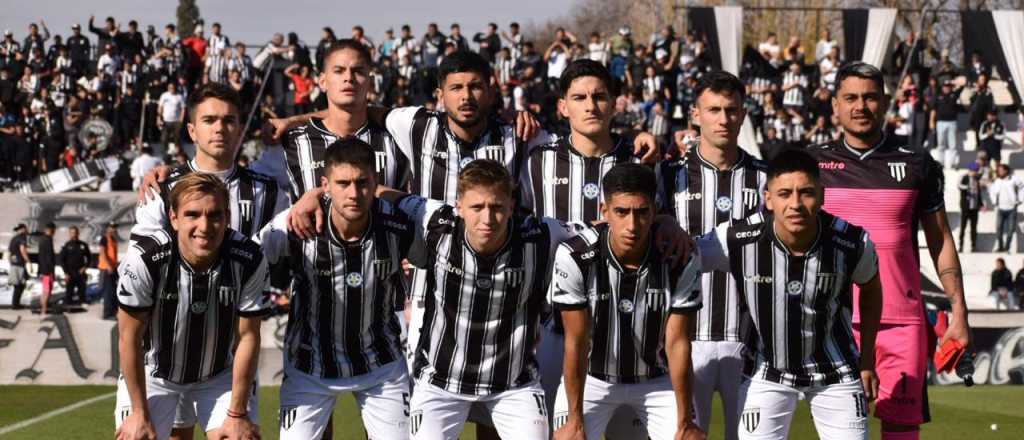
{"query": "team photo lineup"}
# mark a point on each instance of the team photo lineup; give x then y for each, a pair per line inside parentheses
(465, 261)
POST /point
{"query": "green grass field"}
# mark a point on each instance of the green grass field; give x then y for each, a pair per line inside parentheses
(958, 413)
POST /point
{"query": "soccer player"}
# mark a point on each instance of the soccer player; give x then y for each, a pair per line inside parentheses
(487, 270)
(562, 180)
(795, 267)
(254, 199)
(627, 316)
(716, 182)
(190, 301)
(890, 188)
(343, 334)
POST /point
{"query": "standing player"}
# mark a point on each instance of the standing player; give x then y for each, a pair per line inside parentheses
(795, 267)
(191, 302)
(214, 126)
(889, 188)
(343, 334)
(562, 180)
(486, 271)
(716, 182)
(627, 319)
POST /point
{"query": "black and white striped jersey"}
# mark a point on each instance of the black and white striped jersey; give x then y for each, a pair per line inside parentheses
(629, 308)
(701, 196)
(480, 313)
(193, 315)
(254, 200)
(305, 147)
(801, 306)
(342, 321)
(437, 155)
(561, 183)
(795, 95)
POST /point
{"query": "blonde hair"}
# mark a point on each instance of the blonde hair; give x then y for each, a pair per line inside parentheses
(198, 184)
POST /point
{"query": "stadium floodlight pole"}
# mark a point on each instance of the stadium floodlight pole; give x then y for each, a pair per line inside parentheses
(252, 111)
(906, 62)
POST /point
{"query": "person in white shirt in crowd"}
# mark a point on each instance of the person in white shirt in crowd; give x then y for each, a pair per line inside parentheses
(598, 50)
(217, 40)
(171, 109)
(142, 164)
(1006, 194)
(824, 46)
(828, 67)
(770, 48)
(557, 57)
(107, 63)
(902, 116)
(515, 40)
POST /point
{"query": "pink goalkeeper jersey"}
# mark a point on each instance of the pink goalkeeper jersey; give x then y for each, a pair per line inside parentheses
(885, 190)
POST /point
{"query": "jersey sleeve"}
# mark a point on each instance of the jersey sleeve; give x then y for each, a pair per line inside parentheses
(251, 300)
(686, 289)
(150, 217)
(399, 122)
(273, 238)
(135, 289)
(713, 249)
(419, 210)
(867, 265)
(524, 190)
(567, 290)
(930, 198)
(561, 231)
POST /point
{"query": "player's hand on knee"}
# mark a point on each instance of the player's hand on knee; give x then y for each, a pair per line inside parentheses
(136, 427)
(690, 432)
(572, 430)
(306, 218)
(870, 381)
(150, 187)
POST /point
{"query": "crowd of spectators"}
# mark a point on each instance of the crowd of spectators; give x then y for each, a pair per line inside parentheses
(137, 83)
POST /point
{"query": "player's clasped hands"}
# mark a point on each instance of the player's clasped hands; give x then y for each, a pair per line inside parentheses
(136, 427)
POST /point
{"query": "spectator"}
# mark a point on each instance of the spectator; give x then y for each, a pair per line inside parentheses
(598, 50)
(944, 70)
(1005, 193)
(142, 164)
(794, 88)
(455, 37)
(824, 46)
(74, 258)
(217, 41)
(432, 47)
(1001, 289)
(130, 43)
(981, 103)
(241, 62)
(106, 36)
(406, 45)
(108, 270)
(828, 67)
(46, 264)
(977, 68)
(17, 256)
(490, 42)
(303, 83)
(991, 133)
(970, 203)
(327, 38)
(771, 146)
(769, 48)
(943, 120)
(171, 109)
(515, 40)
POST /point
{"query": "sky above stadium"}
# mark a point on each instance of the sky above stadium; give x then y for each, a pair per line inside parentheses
(254, 21)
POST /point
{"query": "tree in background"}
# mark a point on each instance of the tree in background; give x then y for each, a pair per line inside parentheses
(188, 17)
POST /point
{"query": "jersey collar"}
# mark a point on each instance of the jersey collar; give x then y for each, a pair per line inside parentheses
(864, 155)
(333, 234)
(318, 124)
(606, 249)
(810, 250)
(740, 160)
(225, 176)
(568, 147)
(486, 135)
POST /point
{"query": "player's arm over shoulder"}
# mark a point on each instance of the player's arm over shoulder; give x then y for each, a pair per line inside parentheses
(567, 290)
(136, 288)
(867, 264)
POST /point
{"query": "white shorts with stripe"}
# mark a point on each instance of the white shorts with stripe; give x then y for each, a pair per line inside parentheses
(519, 413)
(717, 366)
(382, 396)
(840, 411)
(653, 401)
(209, 399)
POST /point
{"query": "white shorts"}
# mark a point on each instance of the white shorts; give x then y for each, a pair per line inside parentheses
(519, 413)
(382, 395)
(717, 366)
(840, 411)
(185, 413)
(654, 401)
(210, 400)
(625, 424)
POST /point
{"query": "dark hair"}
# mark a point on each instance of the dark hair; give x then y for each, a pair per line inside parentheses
(350, 44)
(860, 69)
(791, 161)
(463, 61)
(514, 24)
(631, 178)
(213, 90)
(353, 151)
(171, 27)
(581, 68)
(51, 225)
(358, 28)
(721, 82)
(485, 172)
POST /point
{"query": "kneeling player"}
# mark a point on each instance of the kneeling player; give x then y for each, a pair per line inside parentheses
(627, 318)
(795, 267)
(343, 334)
(194, 295)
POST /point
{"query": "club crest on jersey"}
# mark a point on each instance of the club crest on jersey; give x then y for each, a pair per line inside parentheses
(354, 279)
(226, 294)
(750, 198)
(415, 421)
(484, 283)
(655, 299)
(750, 419)
(382, 160)
(198, 307)
(794, 287)
(495, 153)
(625, 306)
(723, 204)
(591, 191)
(382, 268)
(245, 208)
(288, 415)
(826, 281)
(465, 161)
(898, 170)
(514, 276)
